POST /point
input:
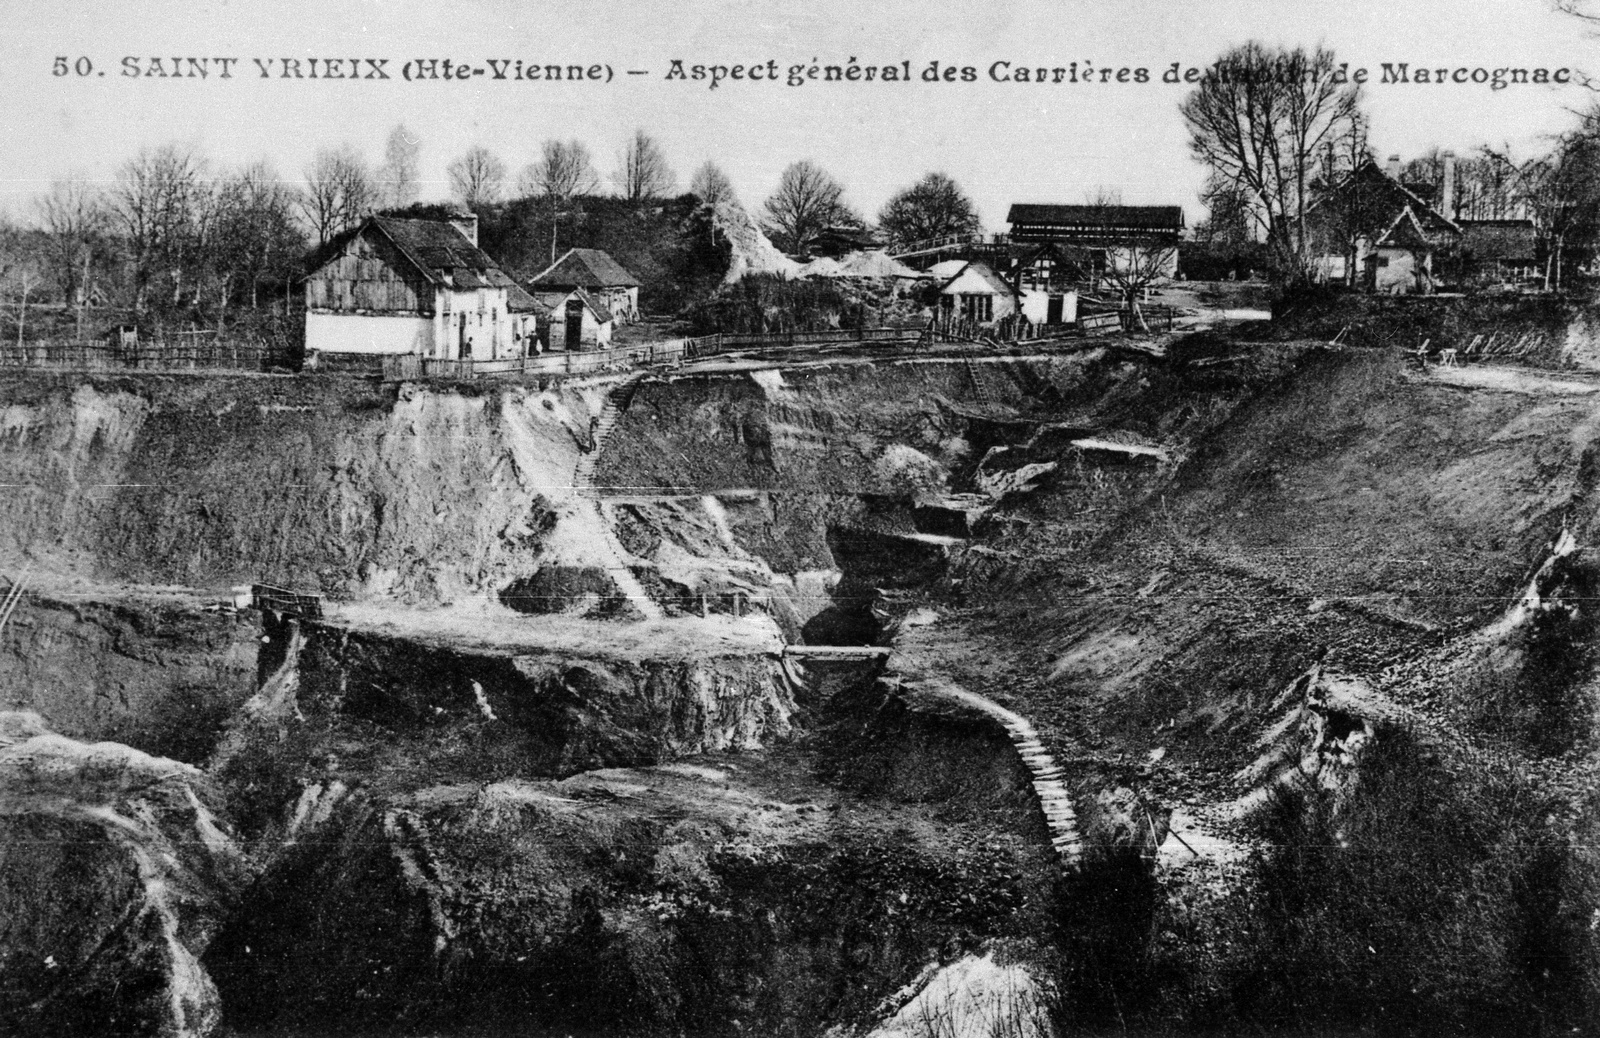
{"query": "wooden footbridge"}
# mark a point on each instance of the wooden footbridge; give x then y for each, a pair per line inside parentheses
(832, 653)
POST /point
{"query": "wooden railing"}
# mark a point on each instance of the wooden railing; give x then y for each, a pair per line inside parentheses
(282, 600)
(575, 362)
(1156, 319)
(404, 367)
(946, 241)
(730, 342)
(145, 356)
(952, 328)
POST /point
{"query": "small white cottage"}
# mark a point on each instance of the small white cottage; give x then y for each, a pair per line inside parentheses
(579, 322)
(607, 283)
(977, 293)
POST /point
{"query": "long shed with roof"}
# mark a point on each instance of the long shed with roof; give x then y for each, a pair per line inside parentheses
(422, 287)
(1097, 238)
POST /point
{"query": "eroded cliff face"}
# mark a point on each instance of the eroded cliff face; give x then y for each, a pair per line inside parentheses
(358, 490)
(486, 783)
(719, 894)
(116, 869)
(158, 673)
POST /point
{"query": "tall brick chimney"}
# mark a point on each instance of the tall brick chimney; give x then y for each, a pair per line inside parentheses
(1447, 187)
(1393, 168)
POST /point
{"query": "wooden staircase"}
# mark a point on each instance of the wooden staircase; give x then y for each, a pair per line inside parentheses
(1054, 799)
(611, 411)
(1046, 777)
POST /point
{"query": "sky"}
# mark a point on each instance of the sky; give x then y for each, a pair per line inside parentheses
(1004, 142)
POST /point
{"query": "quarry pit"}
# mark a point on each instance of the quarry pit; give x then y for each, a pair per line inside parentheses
(1103, 689)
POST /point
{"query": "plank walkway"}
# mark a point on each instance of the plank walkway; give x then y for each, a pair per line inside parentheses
(1046, 776)
(836, 652)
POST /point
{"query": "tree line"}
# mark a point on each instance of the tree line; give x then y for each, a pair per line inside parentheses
(173, 233)
(1278, 146)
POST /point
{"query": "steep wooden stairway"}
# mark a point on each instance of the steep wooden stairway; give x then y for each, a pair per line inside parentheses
(611, 412)
(1055, 801)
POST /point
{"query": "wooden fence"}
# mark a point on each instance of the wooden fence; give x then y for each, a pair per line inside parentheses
(282, 600)
(732, 342)
(145, 356)
(405, 367)
(952, 328)
(1156, 319)
(576, 362)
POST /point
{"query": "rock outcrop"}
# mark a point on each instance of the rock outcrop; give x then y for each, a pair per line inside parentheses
(115, 871)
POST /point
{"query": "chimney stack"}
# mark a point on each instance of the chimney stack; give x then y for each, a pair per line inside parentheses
(1447, 188)
(1394, 166)
(466, 221)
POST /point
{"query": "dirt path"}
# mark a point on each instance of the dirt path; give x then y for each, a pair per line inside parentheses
(1510, 380)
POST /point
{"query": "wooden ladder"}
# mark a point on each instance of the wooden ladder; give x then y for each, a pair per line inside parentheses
(13, 597)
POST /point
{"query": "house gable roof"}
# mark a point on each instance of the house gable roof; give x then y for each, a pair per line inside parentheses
(584, 268)
(518, 301)
(1428, 219)
(994, 282)
(1404, 233)
(439, 253)
(602, 313)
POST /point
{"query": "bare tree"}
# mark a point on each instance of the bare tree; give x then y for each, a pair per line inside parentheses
(21, 273)
(1228, 220)
(711, 185)
(74, 217)
(1260, 119)
(1486, 188)
(255, 239)
(642, 170)
(477, 178)
(398, 177)
(157, 200)
(1562, 191)
(340, 192)
(933, 207)
(1354, 212)
(1122, 261)
(565, 169)
(1102, 196)
(807, 200)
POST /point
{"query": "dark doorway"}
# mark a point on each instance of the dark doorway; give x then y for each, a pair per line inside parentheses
(466, 343)
(1053, 309)
(574, 324)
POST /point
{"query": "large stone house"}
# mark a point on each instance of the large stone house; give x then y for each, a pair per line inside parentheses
(420, 287)
(605, 282)
(1375, 233)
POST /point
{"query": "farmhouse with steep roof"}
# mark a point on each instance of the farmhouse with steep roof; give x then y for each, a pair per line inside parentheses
(1375, 233)
(419, 287)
